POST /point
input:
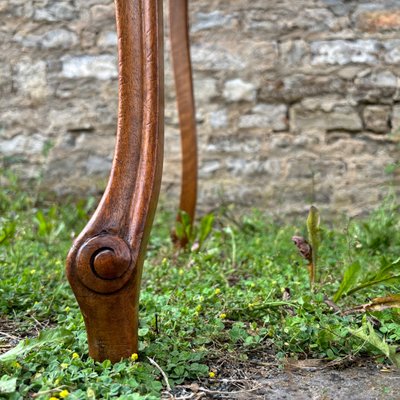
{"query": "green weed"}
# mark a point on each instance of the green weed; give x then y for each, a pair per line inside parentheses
(239, 292)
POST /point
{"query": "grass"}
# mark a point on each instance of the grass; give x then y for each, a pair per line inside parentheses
(241, 292)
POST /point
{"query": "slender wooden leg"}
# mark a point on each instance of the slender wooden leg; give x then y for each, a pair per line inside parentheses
(180, 46)
(104, 265)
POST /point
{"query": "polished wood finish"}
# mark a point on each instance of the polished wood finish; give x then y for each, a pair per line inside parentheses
(180, 48)
(104, 265)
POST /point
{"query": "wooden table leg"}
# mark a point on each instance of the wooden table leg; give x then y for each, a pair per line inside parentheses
(180, 47)
(104, 265)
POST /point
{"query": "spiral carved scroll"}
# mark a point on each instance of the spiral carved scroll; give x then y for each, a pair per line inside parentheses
(104, 263)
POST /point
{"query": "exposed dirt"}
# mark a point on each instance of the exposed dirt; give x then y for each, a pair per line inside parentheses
(298, 380)
(8, 337)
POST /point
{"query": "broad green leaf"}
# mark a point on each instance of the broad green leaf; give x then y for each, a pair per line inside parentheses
(7, 384)
(367, 333)
(385, 270)
(350, 278)
(185, 218)
(206, 225)
(179, 230)
(46, 337)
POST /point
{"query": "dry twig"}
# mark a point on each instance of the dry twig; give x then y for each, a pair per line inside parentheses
(152, 362)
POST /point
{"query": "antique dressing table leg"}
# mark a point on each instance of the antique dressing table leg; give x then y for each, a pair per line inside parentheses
(180, 47)
(104, 265)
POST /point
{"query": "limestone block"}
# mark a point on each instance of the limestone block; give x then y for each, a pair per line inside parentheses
(23, 145)
(396, 120)
(59, 38)
(243, 167)
(209, 167)
(218, 118)
(238, 90)
(379, 79)
(338, 7)
(213, 57)
(102, 67)
(102, 13)
(213, 19)
(280, 142)
(230, 55)
(376, 118)
(205, 89)
(392, 54)
(344, 52)
(271, 116)
(378, 20)
(341, 117)
(252, 167)
(230, 144)
(293, 52)
(300, 166)
(30, 79)
(56, 11)
(5, 78)
(107, 39)
(97, 165)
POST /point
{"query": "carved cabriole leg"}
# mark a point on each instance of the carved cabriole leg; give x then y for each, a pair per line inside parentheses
(180, 47)
(104, 265)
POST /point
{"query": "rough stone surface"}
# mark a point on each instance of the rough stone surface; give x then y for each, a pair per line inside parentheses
(379, 20)
(102, 67)
(238, 90)
(344, 52)
(327, 114)
(297, 101)
(396, 120)
(377, 118)
(59, 38)
(266, 115)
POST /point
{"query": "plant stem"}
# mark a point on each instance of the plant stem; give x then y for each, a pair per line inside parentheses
(370, 283)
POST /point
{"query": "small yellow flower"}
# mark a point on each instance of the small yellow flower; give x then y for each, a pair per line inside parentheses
(181, 272)
(134, 357)
(64, 394)
(222, 316)
(64, 365)
(217, 291)
(75, 355)
(211, 374)
(33, 271)
(53, 398)
(67, 309)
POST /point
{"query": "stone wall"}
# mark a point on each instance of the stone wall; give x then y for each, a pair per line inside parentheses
(297, 101)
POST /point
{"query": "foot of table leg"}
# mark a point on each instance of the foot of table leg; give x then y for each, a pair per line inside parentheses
(180, 47)
(104, 265)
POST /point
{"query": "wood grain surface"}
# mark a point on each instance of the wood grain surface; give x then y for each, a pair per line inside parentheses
(180, 47)
(104, 265)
